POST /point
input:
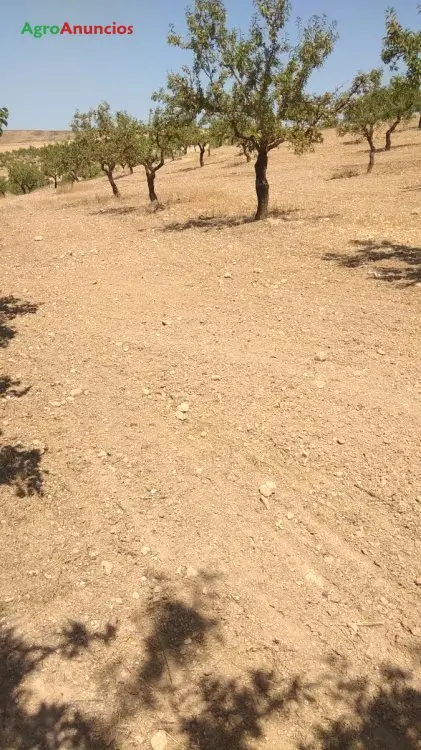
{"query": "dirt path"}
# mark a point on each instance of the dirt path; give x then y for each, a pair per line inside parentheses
(149, 589)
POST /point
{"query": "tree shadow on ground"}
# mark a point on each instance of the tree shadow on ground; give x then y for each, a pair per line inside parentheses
(10, 308)
(412, 188)
(374, 252)
(207, 223)
(52, 725)
(116, 210)
(233, 712)
(7, 388)
(387, 717)
(20, 468)
(210, 710)
(178, 629)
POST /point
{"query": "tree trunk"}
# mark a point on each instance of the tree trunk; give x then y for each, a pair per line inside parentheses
(246, 152)
(372, 154)
(150, 176)
(202, 154)
(262, 185)
(185, 149)
(389, 132)
(114, 188)
(130, 169)
(419, 123)
(55, 181)
(209, 150)
(371, 160)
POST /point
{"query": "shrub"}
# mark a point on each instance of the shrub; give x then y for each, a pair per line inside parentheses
(341, 173)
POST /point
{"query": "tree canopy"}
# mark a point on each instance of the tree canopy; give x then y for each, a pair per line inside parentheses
(402, 45)
(258, 82)
(4, 115)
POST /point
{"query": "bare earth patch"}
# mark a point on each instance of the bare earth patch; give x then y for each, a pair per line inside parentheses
(157, 369)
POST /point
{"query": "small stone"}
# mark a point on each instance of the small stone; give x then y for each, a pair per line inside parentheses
(321, 357)
(181, 416)
(290, 516)
(216, 377)
(146, 391)
(418, 581)
(38, 238)
(267, 489)
(107, 567)
(76, 392)
(227, 275)
(159, 740)
(145, 550)
(265, 502)
(166, 322)
(340, 441)
(381, 351)
(191, 572)
(55, 403)
(135, 595)
(184, 407)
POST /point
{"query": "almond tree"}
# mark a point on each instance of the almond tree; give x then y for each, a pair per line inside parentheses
(128, 132)
(402, 99)
(199, 136)
(4, 114)
(23, 166)
(403, 45)
(99, 138)
(257, 82)
(156, 140)
(53, 161)
(365, 115)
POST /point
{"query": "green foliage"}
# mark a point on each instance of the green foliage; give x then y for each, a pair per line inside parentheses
(25, 174)
(128, 130)
(78, 162)
(53, 161)
(257, 82)
(402, 45)
(4, 115)
(402, 100)
(367, 113)
(220, 132)
(97, 137)
(3, 186)
(158, 138)
(379, 105)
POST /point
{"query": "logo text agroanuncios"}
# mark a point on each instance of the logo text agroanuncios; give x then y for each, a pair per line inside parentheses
(66, 28)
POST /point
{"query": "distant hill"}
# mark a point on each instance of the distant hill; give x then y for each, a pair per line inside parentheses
(14, 139)
(32, 136)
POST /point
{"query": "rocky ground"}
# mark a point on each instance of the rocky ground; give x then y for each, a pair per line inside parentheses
(210, 458)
